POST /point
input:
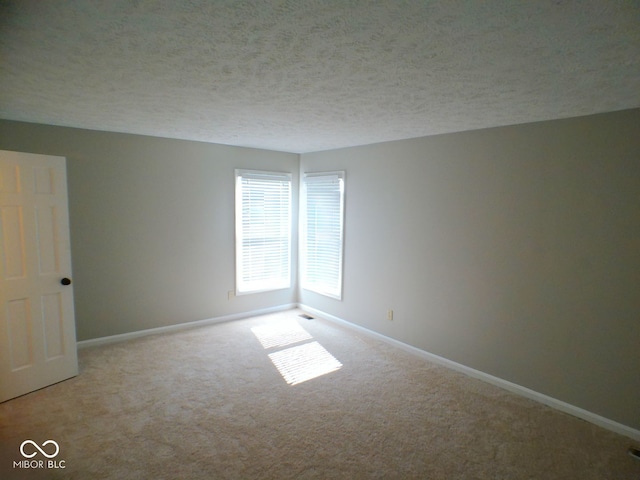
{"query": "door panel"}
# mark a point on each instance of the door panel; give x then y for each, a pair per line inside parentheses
(13, 245)
(20, 333)
(37, 325)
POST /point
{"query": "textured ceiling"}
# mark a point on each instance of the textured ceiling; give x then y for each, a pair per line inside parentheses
(301, 76)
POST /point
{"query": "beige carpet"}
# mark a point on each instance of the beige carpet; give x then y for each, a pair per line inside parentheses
(210, 403)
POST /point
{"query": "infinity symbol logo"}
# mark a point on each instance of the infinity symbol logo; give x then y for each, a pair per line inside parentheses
(31, 455)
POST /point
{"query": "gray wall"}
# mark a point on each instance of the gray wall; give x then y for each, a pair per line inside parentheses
(152, 225)
(514, 251)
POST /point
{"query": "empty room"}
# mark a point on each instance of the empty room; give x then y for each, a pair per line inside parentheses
(319, 239)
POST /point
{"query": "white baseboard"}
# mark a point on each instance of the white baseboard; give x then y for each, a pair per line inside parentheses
(499, 382)
(181, 326)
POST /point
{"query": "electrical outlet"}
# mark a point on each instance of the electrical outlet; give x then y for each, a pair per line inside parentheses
(231, 294)
(389, 314)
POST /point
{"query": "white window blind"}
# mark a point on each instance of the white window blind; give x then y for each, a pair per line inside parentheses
(322, 233)
(263, 231)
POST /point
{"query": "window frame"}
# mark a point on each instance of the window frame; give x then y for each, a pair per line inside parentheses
(265, 285)
(305, 283)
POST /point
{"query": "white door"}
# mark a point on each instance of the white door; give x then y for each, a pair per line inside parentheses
(37, 325)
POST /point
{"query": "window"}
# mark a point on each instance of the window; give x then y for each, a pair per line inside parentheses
(322, 233)
(263, 231)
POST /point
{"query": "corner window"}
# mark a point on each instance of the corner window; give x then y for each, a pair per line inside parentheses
(323, 233)
(263, 231)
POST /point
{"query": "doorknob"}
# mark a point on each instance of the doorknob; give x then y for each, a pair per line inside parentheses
(65, 281)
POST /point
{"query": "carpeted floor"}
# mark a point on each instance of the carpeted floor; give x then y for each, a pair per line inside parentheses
(211, 403)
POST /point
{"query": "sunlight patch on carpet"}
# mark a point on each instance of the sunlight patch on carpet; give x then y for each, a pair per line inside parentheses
(304, 362)
(303, 358)
(280, 334)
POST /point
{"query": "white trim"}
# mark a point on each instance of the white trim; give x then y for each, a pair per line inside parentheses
(263, 174)
(499, 382)
(180, 326)
(310, 176)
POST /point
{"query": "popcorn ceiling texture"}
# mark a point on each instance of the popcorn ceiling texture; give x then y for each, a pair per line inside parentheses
(304, 76)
